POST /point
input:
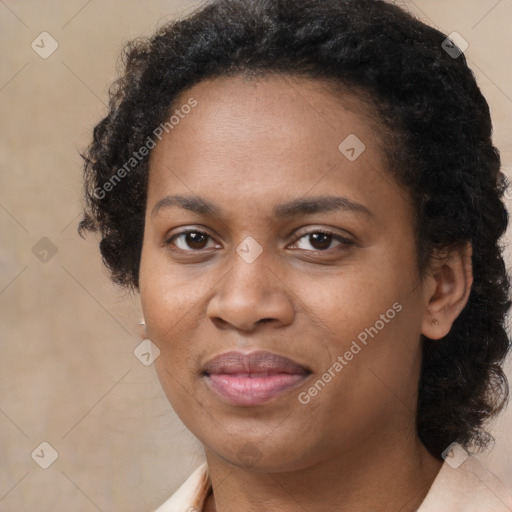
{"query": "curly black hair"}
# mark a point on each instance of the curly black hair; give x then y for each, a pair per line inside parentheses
(437, 127)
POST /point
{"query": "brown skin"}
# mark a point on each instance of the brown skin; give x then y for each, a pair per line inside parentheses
(247, 146)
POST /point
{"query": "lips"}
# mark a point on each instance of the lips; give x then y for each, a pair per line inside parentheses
(252, 363)
(254, 378)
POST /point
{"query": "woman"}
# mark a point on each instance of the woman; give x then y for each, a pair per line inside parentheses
(307, 198)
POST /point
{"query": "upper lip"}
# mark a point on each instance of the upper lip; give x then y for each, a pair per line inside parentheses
(254, 362)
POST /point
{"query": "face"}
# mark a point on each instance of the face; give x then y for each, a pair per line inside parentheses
(292, 238)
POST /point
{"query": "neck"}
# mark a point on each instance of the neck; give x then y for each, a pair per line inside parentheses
(372, 477)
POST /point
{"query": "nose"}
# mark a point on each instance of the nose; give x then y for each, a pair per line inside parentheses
(251, 294)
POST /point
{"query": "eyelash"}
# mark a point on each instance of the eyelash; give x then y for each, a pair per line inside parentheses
(343, 241)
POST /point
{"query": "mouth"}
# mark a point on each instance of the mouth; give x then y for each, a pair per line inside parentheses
(252, 379)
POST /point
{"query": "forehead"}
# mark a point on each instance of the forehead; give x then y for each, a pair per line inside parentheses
(277, 105)
(261, 137)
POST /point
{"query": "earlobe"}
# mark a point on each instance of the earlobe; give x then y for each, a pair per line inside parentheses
(448, 293)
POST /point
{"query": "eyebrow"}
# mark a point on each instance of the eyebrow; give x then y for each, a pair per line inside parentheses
(294, 208)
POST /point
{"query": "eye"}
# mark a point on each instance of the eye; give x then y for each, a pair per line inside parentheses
(320, 240)
(193, 240)
(190, 239)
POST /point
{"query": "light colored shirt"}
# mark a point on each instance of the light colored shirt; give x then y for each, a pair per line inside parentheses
(468, 488)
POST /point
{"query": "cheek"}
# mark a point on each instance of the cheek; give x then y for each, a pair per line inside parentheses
(171, 320)
(353, 297)
(164, 296)
(174, 305)
(370, 313)
(173, 327)
(164, 308)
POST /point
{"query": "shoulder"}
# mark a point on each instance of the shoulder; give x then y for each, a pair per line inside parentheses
(191, 495)
(469, 487)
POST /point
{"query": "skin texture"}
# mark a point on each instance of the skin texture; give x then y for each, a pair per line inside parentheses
(248, 146)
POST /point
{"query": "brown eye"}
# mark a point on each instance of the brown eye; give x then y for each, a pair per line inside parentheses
(322, 240)
(192, 240)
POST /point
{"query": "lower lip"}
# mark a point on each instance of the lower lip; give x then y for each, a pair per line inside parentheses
(255, 390)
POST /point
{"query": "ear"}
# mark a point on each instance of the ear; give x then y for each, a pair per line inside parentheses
(447, 290)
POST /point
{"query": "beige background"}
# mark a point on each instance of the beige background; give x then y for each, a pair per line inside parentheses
(68, 375)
